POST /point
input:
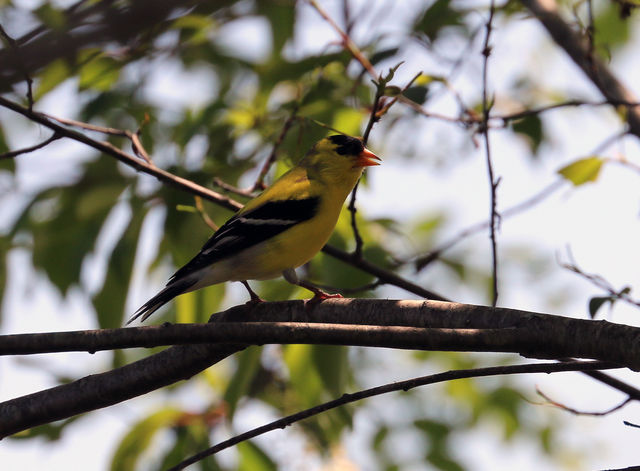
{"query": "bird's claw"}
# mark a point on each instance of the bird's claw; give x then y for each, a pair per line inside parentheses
(320, 296)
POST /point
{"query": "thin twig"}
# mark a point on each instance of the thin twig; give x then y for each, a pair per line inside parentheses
(136, 143)
(395, 99)
(600, 282)
(493, 183)
(579, 412)
(388, 388)
(89, 127)
(465, 121)
(563, 104)
(205, 217)
(259, 183)
(130, 160)
(424, 260)
(9, 155)
(357, 251)
(220, 183)
(347, 42)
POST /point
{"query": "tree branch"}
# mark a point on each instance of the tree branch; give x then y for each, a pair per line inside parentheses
(26, 150)
(417, 324)
(105, 389)
(128, 159)
(577, 46)
(387, 388)
(88, 25)
(494, 219)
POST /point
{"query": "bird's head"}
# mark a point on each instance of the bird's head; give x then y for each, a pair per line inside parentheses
(340, 155)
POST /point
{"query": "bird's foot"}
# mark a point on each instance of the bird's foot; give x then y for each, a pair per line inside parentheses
(253, 301)
(320, 296)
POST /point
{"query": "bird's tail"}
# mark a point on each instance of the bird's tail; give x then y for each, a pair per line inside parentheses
(167, 294)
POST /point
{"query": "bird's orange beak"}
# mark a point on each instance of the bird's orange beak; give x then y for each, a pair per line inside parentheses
(366, 158)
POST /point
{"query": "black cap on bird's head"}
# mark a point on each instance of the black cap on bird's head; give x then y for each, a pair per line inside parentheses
(352, 146)
(347, 145)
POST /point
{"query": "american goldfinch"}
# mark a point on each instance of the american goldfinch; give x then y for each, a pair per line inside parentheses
(278, 230)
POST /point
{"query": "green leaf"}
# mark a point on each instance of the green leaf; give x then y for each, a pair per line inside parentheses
(530, 127)
(194, 29)
(610, 29)
(100, 73)
(379, 437)
(392, 90)
(51, 432)
(64, 228)
(51, 16)
(583, 170)
(52, 76)
(332, 364)
(197, 306)
(110, 301)
(439, 15)
(303, 375)
(417, 93)
(139, 437)
(281, 16)
(253, 458)
(248, 365)
(379, 56)
(597, 302)
(348, 120)
(5, 164)
(191, 432)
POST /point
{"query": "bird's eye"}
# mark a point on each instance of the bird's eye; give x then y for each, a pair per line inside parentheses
(347, 145)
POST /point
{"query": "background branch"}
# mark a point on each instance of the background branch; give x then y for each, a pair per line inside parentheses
(391, 387)
(578, 48)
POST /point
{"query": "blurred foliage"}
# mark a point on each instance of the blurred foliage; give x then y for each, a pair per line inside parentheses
(243, 102)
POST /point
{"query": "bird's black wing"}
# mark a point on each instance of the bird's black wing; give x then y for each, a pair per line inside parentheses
(248, 229)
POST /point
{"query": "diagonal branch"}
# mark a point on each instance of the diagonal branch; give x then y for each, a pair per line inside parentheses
(128, 159)
(387, 388)
(577, 46)
(105, 389)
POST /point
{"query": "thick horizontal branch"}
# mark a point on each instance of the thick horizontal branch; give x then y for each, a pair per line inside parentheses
(396, 324)
(259, 333)
(449, 326)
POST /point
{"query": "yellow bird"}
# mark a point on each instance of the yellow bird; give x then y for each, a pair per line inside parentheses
(278, 230)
